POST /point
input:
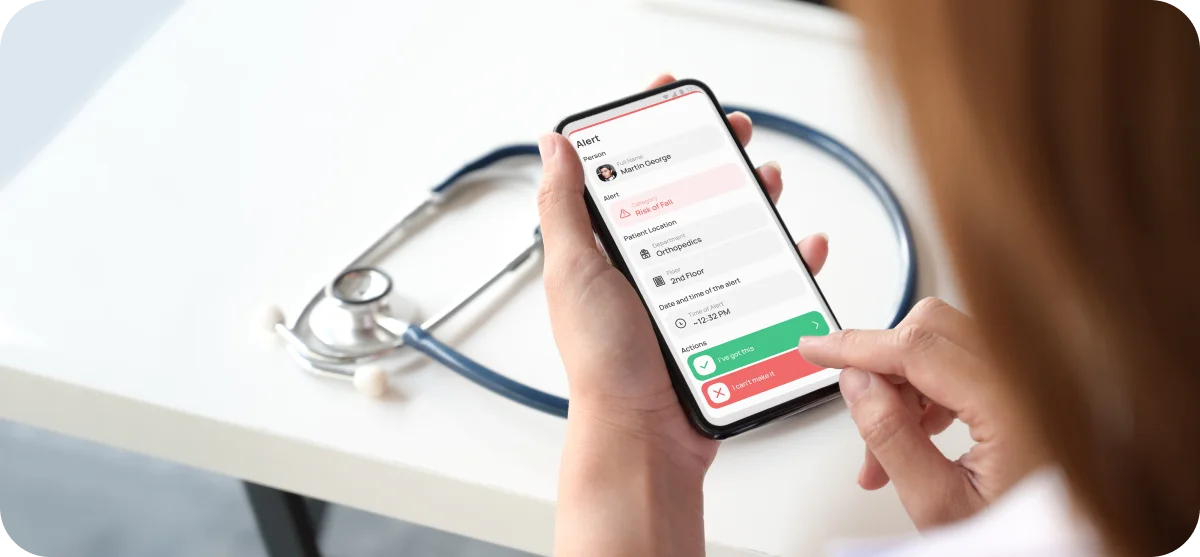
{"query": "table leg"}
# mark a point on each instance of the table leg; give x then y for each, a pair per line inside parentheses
(288, 523)
(316, 512)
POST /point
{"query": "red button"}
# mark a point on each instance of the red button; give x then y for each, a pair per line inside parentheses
(758, 378)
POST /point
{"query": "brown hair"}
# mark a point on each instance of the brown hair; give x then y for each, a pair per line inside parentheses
(1061, 142)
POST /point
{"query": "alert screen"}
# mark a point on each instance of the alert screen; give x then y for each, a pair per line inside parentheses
(724, 284)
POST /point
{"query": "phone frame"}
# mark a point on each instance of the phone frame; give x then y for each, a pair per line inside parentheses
(678, 380)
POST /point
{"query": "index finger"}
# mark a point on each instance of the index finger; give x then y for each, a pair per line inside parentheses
(942, 370)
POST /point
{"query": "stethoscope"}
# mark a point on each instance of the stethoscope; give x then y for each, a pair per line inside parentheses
(358, 325)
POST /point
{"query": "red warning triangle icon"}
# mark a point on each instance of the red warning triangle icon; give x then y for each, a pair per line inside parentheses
(624, 213)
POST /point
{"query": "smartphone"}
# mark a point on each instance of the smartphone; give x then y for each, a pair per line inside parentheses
(677, 205)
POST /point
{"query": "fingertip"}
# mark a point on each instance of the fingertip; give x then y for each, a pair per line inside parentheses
(743, 128)
(813, 341)
(812, 344)
(772, 180)
(548, 145)
(821, 350)
(662, 79)
(814, 250)
(742, 116)
(872, 476)
(818, 241)
(874, 483)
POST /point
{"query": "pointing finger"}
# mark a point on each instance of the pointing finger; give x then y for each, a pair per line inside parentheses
(942, 370)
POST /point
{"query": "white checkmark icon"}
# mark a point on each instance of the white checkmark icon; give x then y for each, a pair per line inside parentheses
(704, 365)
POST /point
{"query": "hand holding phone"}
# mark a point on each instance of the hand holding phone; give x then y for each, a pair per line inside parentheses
(626, 425)
(608, 344)
(682, 215)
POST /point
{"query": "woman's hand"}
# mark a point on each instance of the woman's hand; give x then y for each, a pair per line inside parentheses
(632, 465)
(906, 384)
(614, 365)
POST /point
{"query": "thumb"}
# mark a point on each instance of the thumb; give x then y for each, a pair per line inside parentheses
(566, 227)
(925, 480)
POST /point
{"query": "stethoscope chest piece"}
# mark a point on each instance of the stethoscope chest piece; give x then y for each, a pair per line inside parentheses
(358, 325)
(346, 317)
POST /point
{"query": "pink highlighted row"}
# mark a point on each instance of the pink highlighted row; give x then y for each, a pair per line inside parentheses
(681, 193)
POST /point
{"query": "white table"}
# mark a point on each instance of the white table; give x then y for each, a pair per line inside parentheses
(248, 149)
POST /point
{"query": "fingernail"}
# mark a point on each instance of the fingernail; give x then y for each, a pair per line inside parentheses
(743, 114)
(854, 383)
(824, 235)
(775, 165)
(812, 340)
(547, 146)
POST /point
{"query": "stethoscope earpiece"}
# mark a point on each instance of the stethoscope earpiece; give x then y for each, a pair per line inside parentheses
(371, 380)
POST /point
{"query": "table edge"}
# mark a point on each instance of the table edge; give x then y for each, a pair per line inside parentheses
(390, 489)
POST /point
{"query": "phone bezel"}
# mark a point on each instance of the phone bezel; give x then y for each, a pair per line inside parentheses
(678, 380)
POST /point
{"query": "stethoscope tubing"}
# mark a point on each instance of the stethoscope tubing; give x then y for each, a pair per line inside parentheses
(874, 182)
(420, 339)
(479, 374)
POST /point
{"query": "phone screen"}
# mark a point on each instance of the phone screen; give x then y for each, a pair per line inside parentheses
(703, 245)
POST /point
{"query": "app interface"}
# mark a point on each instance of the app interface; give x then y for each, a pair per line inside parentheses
(724, 284)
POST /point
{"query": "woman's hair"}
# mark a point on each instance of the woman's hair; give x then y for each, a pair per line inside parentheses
(1061, 142)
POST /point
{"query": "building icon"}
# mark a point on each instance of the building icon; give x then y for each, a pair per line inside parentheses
(645, 254)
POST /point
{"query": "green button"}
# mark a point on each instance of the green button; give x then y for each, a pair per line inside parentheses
(757, 346)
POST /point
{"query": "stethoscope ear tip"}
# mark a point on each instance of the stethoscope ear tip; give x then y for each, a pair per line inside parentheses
(371, 380)
(271, 317)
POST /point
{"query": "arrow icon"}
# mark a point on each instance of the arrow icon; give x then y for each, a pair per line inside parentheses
(624, 213)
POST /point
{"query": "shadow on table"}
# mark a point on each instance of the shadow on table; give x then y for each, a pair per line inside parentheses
(54, 55)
